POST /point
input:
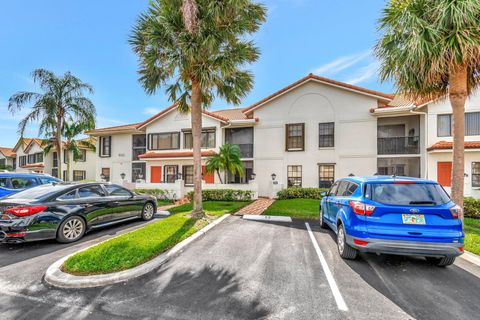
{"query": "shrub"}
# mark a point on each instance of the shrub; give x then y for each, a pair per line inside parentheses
(471, 207)
(160, 194)
(303, 193)
(224, 195)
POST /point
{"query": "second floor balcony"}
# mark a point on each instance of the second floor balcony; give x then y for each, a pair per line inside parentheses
(398, 145)
(243, 137)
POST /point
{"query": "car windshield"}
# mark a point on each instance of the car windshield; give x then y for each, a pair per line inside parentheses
(408, 194)
(40, 192)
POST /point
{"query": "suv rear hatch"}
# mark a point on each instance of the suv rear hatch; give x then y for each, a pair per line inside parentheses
(411, 211)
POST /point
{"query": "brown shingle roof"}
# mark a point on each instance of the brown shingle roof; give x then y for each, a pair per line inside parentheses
(7, 152)
(385, 96)
(179, 154)
(445, 145)
(232, 114)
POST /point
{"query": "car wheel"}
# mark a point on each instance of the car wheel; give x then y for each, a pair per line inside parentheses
(345, 251)
(323, 225)
(441, 262)
(71, 230)
(148, 211)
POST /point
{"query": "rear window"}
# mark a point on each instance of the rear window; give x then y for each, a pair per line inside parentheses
(407, 194)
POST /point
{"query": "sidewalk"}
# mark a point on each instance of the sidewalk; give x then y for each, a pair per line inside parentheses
(255, 208)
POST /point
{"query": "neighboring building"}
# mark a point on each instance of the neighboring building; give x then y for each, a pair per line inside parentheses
(31, 158)
(7, 158)
(307, 134)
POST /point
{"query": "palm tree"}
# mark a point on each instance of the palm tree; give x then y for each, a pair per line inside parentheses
(431, 48)
(62, 98)
(227, 160)
(196, 49)
(71, 145)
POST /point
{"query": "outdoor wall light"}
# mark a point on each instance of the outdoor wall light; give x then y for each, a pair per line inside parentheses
(179, 176)
(102, 176)
(122, 175)
(274, 176)
(253, 175)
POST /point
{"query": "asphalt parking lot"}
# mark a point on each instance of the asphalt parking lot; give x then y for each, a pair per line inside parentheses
(246, 270)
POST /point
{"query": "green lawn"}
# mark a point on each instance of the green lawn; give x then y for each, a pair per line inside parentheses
(134, 248)
(472, 235)
(295, 208)
(164, 202)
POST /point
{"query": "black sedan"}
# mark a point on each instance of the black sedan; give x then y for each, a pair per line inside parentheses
(66, 211)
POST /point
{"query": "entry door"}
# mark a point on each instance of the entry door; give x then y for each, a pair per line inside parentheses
(444, 173)
(156, 174)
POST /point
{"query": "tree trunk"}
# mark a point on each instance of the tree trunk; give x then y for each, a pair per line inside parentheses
(58, 142)
(458, 96)
(68, 166)
(219, 177)
(196, 114)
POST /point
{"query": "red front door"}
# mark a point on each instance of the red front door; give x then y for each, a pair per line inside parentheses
(156, 174)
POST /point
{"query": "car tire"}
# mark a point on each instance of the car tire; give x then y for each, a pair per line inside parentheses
(71, 229)
(344, 249)
(323, 225)
(148, 211)
(441, 262)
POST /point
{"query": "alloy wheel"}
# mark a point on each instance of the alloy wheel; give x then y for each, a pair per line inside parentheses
(341, 239)
(73, 229)
(148, 211)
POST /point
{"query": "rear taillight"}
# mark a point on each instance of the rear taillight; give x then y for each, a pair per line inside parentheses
(456, 212)
(362, 208)
(25, 211)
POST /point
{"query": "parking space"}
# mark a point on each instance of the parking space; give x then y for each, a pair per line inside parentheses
(251, 270)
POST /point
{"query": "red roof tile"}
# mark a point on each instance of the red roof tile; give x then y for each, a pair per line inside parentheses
(177, 154)
(445, 145)
(33, 165)
(7, 152)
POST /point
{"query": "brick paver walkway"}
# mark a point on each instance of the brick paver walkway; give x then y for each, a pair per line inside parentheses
(255, 208)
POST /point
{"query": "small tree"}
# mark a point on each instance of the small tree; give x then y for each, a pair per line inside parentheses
(227, 160)
(431, 48)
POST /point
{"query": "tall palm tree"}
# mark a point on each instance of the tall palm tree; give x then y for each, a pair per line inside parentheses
(197, 49)
(71, 144)
(62, 98)
(227, 160)
(431, 48)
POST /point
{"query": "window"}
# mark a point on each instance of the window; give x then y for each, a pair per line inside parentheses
(170, 173)
(475, 174)
(3, 182)
(444, 125)
(243, 137)
(21, 183)
(106, 146)
(408, 194)
(346, 189)
(139, 145)
(90, 192)
(114, 190)
(208, 139)
(294, 176)
(247, 174)
(2, 162)
(106, 174)
(22, 161)
(164, 141)
(326, 132)
(295, 138)
(333, 189)
(326, 175)
(79, 175)
(83, 156)
(55, 173)
(188, 175)
(31, 158)
(138, 171)
(472, 124)
(55, 160)
(69, 195)
(47, 180)
(66, 154)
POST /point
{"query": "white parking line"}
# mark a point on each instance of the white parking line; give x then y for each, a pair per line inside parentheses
(342, 306)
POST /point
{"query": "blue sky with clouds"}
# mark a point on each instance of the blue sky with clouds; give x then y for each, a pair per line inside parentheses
(90, 39)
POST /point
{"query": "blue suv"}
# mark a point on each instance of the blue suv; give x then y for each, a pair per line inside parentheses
(393, 215)
(11, 182)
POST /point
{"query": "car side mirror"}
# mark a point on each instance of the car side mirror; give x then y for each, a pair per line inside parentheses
(323, 194)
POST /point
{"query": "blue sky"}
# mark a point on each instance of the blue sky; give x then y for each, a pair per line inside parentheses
(90, 39)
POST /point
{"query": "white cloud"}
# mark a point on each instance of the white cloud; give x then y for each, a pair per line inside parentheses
(151, 111)
(342, 63)
(365, 73)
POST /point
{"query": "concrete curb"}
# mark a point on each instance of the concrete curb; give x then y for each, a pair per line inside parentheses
(267, 218)
(56, 277)
(471, 257)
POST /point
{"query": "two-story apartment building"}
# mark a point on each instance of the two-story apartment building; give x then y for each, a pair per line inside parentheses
(7, 158)
(30, 157)
(307, 134)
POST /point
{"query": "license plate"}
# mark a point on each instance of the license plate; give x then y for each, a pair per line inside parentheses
(413, 219)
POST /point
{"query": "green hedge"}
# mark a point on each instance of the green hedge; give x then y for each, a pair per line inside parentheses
(160, 194)
(303, 193)
(224, 195)
(471, 207)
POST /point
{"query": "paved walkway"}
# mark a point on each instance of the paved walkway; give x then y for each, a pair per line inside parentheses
(256, 208)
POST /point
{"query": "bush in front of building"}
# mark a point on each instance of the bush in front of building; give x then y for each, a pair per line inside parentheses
(160, 194)
(471, 208)
(224, 195)
(301, 193)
